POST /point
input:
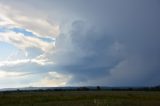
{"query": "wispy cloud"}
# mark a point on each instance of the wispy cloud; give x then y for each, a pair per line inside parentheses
(23, 42)
(40, 26)
(4, 74)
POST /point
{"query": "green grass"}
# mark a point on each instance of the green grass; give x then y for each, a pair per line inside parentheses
(81, 98)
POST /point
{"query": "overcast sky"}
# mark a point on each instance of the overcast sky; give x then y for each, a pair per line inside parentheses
(79, 43)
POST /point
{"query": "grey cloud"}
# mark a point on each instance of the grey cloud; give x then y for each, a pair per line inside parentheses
(113, 43)
(134, 25)
(91, 55)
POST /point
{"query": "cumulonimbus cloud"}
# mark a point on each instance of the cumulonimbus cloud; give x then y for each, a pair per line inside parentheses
(116, 43)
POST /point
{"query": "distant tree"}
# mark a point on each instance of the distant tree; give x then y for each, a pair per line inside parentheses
(83, 89)
(58, 89)
(98, 88)
(18, 90)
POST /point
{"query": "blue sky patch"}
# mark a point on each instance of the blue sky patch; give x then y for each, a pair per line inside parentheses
(6, 50)
(29, 33)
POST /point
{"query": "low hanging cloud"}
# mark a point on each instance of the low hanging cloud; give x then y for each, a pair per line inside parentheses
(54, 79)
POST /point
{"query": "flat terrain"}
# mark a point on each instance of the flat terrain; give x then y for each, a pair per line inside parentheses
(81, 98)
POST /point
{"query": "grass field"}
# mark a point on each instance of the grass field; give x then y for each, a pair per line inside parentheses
(81, 98)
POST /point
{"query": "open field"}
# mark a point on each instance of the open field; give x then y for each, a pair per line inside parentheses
(81, 98)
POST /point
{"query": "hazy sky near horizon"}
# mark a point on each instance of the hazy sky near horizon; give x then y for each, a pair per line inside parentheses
(79, 43)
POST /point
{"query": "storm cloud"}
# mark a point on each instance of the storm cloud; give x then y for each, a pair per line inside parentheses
(120, 49)
(105, 42)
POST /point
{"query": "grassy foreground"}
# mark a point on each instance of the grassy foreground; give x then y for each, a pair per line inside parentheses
(81, 98)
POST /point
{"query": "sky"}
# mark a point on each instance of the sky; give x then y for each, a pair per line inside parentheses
(50, 43)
